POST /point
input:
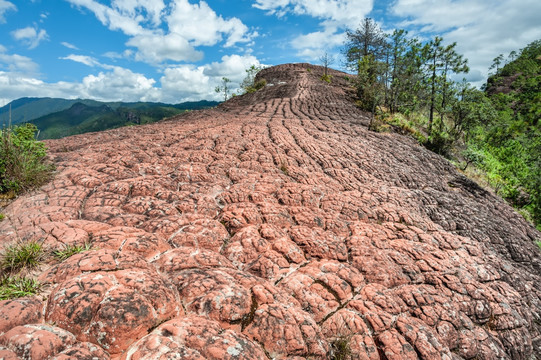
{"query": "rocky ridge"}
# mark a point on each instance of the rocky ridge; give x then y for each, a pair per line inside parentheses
(274, 226)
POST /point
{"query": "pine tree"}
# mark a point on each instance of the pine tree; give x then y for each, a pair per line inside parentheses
(368, 39)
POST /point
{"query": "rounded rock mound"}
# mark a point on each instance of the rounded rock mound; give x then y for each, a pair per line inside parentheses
(275, 226)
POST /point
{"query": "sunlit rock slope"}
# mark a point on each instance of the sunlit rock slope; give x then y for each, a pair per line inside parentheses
(274, 226)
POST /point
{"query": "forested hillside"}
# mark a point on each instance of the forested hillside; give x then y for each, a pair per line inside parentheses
(509, 146)
(492, 134)
(81, 118)
(27, 109)
(57, 118)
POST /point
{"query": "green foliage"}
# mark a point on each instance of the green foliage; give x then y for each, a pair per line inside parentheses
(250, 83)
(469, 109)
(370, 91)
(15, 258)
(81, 118)
(27, 109)
(258, 85)
(16, 286)
(326, 78)
(2, 217)
(32, 110)
(24, 255)
(23, 159)
(497, 130)
(341, 348)
(509, 144)
(70, 250)
(224, 88)
(367, 39)
(439, 142)
(407, 125)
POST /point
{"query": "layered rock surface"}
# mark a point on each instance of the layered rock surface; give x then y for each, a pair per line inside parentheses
(275, 226)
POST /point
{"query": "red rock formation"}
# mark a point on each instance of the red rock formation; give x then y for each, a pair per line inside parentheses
(275, 226)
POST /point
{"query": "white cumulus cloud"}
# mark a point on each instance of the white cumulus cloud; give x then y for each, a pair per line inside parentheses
(14, 86)
(113, 17)
(169, 31)
(482, 29)
(232, 66)
(5, 6)
(17, 64)
(119, 85)
(30, 36)
(141, 10)
(19, 77)
(335, 16)
(314, 45)
(200, 25)
(340, 12)
(167, 34)
(190, 83)
(186, 83)
(154, 48)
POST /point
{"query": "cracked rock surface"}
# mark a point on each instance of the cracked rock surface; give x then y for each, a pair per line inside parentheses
(274, 226)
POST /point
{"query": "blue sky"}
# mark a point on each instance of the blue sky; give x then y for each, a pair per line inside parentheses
(178, 50)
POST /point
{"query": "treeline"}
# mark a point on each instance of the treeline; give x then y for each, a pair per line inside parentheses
(403, 74)
(508, 147)
(410, 83)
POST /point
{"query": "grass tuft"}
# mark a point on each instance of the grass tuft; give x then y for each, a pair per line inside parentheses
(70, 250)
(284, 169)
(341, 348)
(22, 255)
(16, 287)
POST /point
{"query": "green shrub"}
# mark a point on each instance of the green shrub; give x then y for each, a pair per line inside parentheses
(326, 78)
(2, 216)
(260, 84)
(70, 250)
(439, 142)
(249, 84)
(15, 287)
(23, 159)
(22, 255)
(256, 86)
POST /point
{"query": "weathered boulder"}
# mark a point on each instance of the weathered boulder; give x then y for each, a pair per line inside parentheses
(42, 341)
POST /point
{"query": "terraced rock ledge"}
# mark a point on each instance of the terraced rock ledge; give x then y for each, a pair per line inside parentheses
(275, 226)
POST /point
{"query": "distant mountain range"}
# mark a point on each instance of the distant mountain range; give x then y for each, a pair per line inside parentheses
(56, 118)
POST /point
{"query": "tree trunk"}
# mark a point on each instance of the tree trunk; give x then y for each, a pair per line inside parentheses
(432, 97)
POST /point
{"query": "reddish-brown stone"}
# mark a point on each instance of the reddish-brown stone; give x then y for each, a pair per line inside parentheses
(37, 341)
(194, 337)
(20, 311)
(113, 308)
(82, 351)
(281, 223)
